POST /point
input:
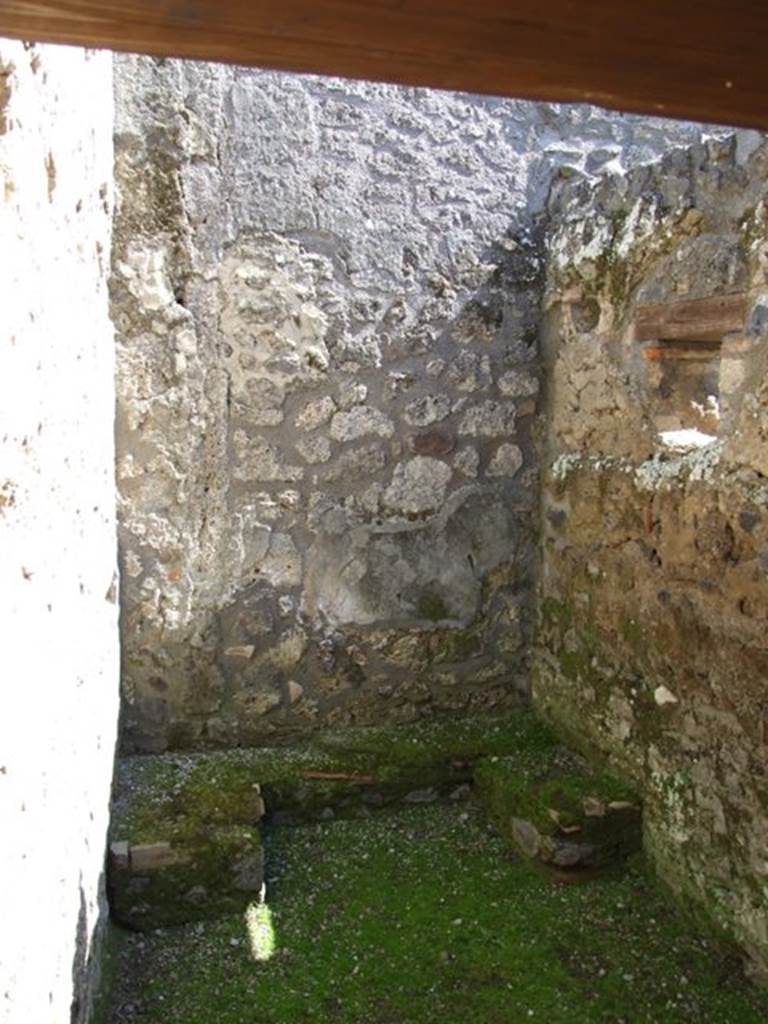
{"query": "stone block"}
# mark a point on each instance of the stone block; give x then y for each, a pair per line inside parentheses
(562, 816)
(119, 854)
(151, 856)
(198, 875)
(186, 842)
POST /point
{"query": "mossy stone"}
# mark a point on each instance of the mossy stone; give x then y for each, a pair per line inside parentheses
(561, 814)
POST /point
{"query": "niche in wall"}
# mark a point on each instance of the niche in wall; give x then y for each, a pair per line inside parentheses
(688, 349)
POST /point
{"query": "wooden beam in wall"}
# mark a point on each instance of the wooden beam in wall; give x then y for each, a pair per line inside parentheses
(704, 60)
(708, 319)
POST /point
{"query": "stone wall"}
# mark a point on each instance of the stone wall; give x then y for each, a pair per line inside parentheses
(326, 297)
(653, 646)
(58, 600)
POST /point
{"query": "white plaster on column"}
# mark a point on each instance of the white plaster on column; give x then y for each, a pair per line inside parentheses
(58, 597)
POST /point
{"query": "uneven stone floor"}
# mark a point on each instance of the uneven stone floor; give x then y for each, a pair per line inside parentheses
(423, 916)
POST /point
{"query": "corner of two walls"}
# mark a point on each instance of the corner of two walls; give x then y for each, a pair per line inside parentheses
(326, 296)
(58, 600)
(652, 649)
(299, 389)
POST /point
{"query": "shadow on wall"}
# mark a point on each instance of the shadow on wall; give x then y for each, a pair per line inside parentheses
(82, 989)
(385, 571)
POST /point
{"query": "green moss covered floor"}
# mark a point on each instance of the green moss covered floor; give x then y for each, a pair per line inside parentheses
(422, 916)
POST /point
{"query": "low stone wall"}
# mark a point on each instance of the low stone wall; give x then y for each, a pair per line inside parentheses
(185, 840)
(652, 649)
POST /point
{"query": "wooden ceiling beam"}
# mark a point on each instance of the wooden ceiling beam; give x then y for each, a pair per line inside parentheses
(703, 61)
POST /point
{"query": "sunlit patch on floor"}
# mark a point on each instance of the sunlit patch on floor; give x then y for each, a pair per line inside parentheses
(261, 931)
(420, 916)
